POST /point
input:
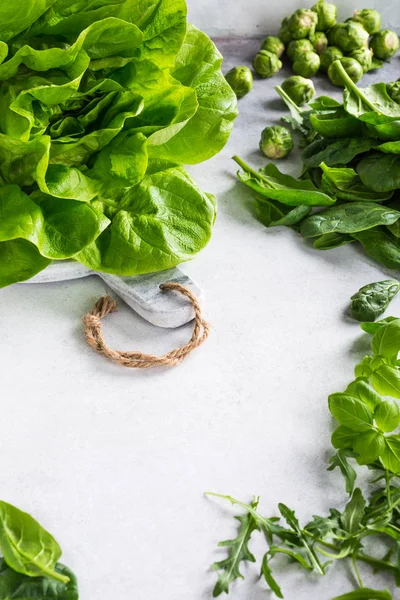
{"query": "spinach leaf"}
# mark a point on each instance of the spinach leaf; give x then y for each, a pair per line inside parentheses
(15, 586)
(381, 246)
(346, 184)
(372, 300)
(380, 172)
(275, 214)
(338, 124)
(325, 103)
(27, 547)
(337, 153)
(273, 184)
(328, 241)
(348, 218)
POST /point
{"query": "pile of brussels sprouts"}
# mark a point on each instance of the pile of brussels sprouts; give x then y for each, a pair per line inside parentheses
(313, 41)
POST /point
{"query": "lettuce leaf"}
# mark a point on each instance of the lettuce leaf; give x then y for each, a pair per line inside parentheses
(102, 102)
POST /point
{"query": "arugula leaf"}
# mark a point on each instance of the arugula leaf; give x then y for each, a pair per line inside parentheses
(340, 459)
(354, 512)
(372, 300)
(266, 572)
(238, 552)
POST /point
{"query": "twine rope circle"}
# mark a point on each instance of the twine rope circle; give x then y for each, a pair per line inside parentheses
(140, 360)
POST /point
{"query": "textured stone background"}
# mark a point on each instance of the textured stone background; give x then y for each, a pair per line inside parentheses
(249, 17)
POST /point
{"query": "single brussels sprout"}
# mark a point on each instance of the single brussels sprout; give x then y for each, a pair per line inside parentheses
(369, 18)
(302, 23)
(364, 57)
(319, 42)
(241, 80)
(306, 64)
(266, 63)
(348, 36)
(273, 44)
(329, 56)
(276, 142)
(393, 89)
(298, 47)
(326, 14)
(299, 89)
(352, 67)
(385, 44)
(284, 33)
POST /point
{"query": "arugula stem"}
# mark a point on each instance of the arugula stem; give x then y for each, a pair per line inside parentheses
(352, 86)
(388, 490)
(247, 507)
(356, 570)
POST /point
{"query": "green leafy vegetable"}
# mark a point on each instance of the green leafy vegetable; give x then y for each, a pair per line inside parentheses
(100, 105)
(372, 300)
(20, 587)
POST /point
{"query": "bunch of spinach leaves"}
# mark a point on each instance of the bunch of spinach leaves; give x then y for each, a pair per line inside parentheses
(351, 173)
(101, 104)
(30, 567)
(368, 417)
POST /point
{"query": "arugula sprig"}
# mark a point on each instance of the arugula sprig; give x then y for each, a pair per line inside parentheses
(368, 416)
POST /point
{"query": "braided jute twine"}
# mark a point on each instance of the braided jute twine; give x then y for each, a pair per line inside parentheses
(139, 360)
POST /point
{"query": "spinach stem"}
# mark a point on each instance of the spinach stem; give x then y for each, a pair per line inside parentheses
(245, 166)
(352, 86)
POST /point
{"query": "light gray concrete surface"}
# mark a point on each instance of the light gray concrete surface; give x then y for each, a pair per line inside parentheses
(227, 17)
(115, 462)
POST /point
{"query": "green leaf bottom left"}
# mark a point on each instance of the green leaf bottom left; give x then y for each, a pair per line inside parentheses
(99, 109)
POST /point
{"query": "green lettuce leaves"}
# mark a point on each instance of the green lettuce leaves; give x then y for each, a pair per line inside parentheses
(101, 104)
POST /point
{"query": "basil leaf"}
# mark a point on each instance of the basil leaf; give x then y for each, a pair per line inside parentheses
(372, 328)
(361, 389)
(369, 446)
(387, 416)
(386, 341)
(386, 380)
(391, 455)
(343, 438)
(351, 412)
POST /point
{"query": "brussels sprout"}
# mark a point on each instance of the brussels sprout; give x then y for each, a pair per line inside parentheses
(273, 44)
(302, 23)
(385, 44)
(284, 33)
(352, 67)
(348, 36)
(266, 63)
(298, 47)
(329, 56)
(306, 64)
(364, 57)
(326, 14)
(241, 80)
(276, 142)
(369, 18)
(319, 42)
(299, 89)
(393, 89)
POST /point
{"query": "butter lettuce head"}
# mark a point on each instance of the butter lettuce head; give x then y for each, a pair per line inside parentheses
(102, 102)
